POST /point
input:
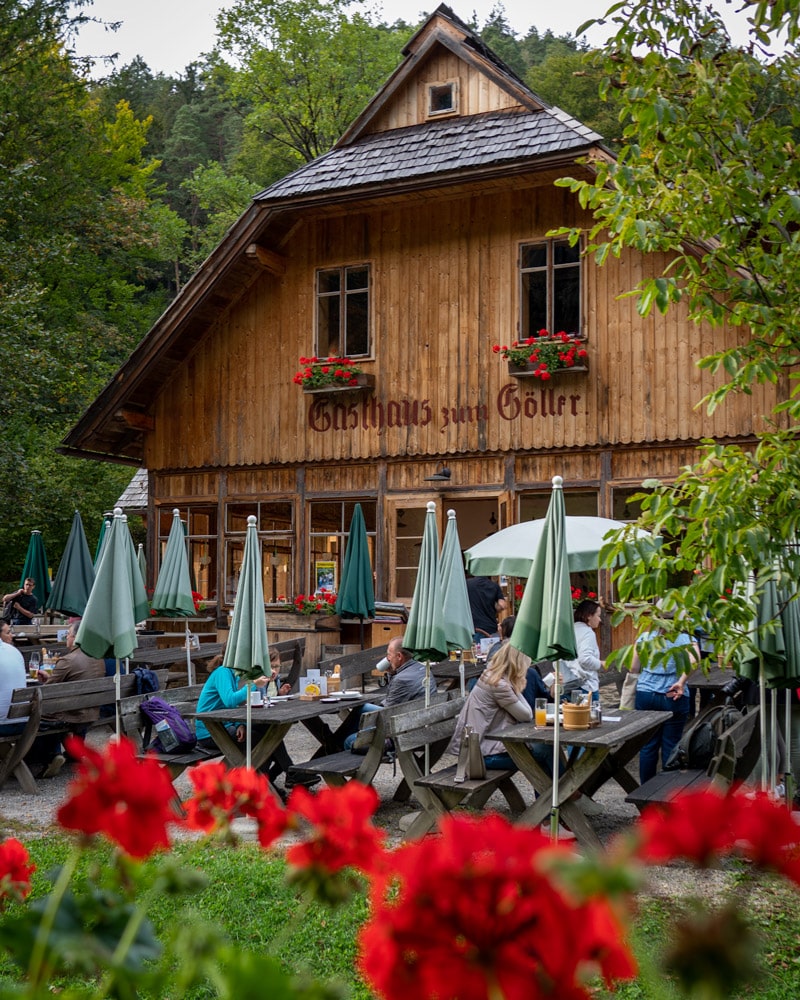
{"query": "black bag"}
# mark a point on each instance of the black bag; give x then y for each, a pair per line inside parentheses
(8, 611)
(696, 746)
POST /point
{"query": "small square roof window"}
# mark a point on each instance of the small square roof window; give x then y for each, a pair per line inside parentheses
(442, 98)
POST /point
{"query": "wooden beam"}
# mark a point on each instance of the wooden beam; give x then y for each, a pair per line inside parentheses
(268, 259)
(136, 419)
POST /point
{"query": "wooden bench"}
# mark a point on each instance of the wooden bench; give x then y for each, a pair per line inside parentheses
(41, 702)
(136, 726)
(349, 765)
(355, 669)
(438, 793)
(736, 752)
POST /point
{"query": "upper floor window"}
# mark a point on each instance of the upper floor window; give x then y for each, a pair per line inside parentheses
(550, 288)
(343, 311)
(200, 521)
(442, 98)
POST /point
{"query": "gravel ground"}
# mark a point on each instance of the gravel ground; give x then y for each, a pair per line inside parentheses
(30, 815)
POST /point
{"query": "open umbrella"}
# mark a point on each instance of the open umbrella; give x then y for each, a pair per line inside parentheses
(511, 551)
(75, 576)
(247, 651)
(172, 595)
(453, 585)
(544, 628)
(356, 595)
(142, 560)
(36, 567)
(117, 600)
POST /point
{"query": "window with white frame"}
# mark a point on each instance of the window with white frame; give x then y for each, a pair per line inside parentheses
(550, 288)
(329, 524)
(200, 522)
(343, 311)
(275, 526)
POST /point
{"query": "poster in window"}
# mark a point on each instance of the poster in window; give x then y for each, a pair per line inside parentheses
(325, 576)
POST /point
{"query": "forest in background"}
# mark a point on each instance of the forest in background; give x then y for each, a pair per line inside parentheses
(114, 190)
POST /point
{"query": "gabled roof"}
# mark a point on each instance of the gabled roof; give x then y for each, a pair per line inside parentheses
(369, 161)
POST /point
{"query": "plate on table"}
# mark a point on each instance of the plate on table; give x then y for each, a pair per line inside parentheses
(551, 718)
(331, 699)
(282, 697)
(350, 694)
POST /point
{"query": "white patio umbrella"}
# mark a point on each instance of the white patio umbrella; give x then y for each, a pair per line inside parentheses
(512, 550)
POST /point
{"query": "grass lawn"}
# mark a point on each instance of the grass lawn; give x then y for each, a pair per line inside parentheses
(247, 899)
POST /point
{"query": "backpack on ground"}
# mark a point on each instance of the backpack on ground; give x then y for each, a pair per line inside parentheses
(696, 746)
(178, 735)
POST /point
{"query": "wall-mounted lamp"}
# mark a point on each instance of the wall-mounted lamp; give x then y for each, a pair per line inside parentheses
(442, 474)
(493, 519)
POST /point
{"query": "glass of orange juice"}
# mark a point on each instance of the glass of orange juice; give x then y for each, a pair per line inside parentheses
(540, 712)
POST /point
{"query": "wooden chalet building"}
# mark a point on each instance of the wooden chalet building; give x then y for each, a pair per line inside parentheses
(415, 245)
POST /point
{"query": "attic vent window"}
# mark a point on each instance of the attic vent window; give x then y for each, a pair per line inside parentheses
(442, 98)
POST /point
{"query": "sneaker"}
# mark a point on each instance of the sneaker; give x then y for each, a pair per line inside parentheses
(54, 766)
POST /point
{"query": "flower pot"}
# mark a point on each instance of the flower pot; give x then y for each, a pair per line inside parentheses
(575, 716)
(529, 370)
(364, 383)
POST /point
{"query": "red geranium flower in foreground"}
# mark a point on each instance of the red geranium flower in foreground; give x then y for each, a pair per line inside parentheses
(475, 915)
(702, 826)
(222, 795)
(15, 871)
(127, 799)
(343, 834)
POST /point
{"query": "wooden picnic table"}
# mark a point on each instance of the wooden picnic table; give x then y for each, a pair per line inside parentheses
(591, 757)
(448, 671)
(276, 720)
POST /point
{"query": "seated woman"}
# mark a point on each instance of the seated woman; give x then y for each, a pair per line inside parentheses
(496, 702)
(222, 690)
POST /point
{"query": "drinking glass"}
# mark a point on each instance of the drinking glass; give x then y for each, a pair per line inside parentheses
(33, 664)
(540, 710)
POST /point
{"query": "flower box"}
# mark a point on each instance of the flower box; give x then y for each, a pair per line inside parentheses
(294, 620)
(364, 383)
(530, 370)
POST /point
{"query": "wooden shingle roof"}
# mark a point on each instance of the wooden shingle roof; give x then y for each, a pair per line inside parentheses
(439, 149)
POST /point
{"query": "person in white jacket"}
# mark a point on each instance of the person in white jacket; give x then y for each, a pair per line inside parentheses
(582, 674)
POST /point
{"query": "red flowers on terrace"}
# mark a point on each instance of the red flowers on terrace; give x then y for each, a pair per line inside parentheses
(15, 871)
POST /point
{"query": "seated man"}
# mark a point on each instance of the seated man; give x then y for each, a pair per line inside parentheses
(406, 681)
(74, 665)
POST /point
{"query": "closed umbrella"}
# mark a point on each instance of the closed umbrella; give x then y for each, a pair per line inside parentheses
(75, 576)
(455, 600)
(101, 538)
(544, 628)
(36, 567)
(172, 595)
(247, 651)
(117, 600)
(142, 560)
(511, 551)
(425, 632)
(356, 595)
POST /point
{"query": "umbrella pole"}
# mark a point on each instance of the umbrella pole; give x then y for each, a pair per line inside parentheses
(773, 739)
(762, 722)
(361, 629)
(461, 676)
(189, 664)
(427, 705)
(556, 753)
(249, 731)
(117, 685)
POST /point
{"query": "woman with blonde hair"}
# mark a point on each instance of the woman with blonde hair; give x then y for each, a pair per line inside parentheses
(496, 702)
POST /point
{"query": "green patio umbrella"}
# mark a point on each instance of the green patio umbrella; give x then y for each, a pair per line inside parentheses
(36, 567)
(117, 600)
(247, 651)
(105, 527)
(142, 560)
(545, 628)
(425, 632)
(455, 600)
(75, 576)
(356, 595)
(172, 595)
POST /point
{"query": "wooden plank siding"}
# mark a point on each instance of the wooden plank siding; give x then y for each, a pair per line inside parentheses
(444, 289)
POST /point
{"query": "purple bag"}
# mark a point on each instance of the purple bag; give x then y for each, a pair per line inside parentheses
(157, 710)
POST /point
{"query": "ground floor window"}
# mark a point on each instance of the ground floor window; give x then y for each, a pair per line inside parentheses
(275, 526)
(200, 524)
(329, 528)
